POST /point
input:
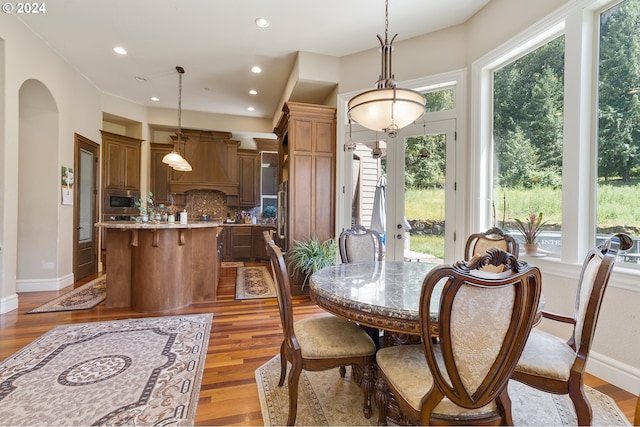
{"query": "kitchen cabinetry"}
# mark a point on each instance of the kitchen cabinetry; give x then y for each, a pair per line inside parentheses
(214, 159)
(160, 173)
(120, 162)
(244, 242)
(248, 178)
(307, 144)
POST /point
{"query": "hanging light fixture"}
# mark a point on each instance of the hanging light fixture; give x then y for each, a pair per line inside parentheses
(351, 144)
(174, 159)
(386, 108)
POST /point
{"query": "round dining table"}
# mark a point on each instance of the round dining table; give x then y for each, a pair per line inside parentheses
(383, 294)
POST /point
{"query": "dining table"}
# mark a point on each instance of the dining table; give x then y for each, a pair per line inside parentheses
(380, 295)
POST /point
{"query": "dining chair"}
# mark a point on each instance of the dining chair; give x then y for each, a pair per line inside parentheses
(484, 320)
(360, 244)
(318, 343)
(556, 366)
(492, 238)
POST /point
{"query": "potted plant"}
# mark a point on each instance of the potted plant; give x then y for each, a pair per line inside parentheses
(269, 213)
(308, 256)
(530, 229)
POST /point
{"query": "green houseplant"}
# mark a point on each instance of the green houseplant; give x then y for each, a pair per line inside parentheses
(309, 256)
(530, 229)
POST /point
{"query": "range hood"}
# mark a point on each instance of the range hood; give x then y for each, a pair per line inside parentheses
(213, 156)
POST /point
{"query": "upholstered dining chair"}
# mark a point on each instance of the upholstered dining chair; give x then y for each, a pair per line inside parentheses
(359, 244)
(492, 238)
(556, 366)
(317, 343)
(483, 321)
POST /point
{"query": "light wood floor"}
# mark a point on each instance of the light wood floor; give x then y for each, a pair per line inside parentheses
(244, 335)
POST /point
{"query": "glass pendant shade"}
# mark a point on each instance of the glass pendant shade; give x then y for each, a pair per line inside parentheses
(386, 108)
(182, 166)
(172, 158)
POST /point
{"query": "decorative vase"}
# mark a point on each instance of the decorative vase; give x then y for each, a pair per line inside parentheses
(145, 219)
(530, 248)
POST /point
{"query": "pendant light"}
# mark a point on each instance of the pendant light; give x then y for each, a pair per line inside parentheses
(174, 159)
(386, 108)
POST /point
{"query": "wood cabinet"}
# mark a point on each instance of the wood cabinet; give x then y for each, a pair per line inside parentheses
(307, 145)
(120, 162)
(214, 159)
(248, 178)
(160, 173)
(244, 242)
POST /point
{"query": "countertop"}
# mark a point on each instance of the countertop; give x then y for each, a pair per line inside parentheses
(154, 226)
(233, 224)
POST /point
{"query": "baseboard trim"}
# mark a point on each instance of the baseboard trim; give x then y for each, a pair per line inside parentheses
(9, 303)
(613, 371)
(38, 285)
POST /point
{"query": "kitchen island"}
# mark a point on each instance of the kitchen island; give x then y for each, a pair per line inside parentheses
(161, 267)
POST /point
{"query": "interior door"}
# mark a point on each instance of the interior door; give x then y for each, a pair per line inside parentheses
(85, 234)
(380, 170)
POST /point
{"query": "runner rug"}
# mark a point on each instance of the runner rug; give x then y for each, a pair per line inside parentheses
(81, 298)
(143, 371)
(254, 282)
(326, 399)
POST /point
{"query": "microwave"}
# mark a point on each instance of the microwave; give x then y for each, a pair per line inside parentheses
(120, 202)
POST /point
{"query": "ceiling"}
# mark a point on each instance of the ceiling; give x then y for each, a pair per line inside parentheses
(217, 42)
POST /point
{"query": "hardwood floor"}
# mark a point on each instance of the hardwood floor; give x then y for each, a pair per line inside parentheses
(244, 335)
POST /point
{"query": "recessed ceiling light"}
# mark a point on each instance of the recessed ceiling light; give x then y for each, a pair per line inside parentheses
(141, 79)
(251, 109)
(262, 22)
(253, 92)
(256, 69)
(120, 50)
(155, 99)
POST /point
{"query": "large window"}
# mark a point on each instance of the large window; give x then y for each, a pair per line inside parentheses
(618, 177)
(528, 104)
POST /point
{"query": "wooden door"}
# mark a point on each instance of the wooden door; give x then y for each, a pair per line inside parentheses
(85, 208)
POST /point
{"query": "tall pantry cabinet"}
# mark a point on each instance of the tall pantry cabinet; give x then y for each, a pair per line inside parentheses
(307, 151)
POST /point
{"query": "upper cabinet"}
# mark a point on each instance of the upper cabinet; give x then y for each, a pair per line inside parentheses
(160, 173)
(121, 162)
(213, 157)
(248, 178)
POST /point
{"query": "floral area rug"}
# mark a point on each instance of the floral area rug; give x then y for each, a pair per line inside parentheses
(143, 371)
(82, 298)
(254, 282)
(326, 399)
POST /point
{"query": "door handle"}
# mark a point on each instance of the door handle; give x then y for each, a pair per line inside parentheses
(79, 228)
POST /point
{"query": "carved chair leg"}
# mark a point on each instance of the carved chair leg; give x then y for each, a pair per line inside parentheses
(504, 405)
(367, 388)
(343, 371)
(294, 377)
(382, 400)
(581, 405)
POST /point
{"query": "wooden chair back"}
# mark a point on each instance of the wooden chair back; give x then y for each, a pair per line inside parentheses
(283, 288)
(492, 238)
(484, 321)
(359, 244)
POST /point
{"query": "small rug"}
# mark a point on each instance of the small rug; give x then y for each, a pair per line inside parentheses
(254, 282)
(143, 371)
(82, 298)
(326, 399)
(228, 264)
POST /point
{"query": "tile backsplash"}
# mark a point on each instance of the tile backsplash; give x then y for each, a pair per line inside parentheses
(206, 202)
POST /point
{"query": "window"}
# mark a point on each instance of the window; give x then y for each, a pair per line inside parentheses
(269, 184)
(528, 104)
(618, 177)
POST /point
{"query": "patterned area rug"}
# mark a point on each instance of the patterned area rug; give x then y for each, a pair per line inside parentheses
(143, 371)
(326, 399)
(82, 298)
(254, 282)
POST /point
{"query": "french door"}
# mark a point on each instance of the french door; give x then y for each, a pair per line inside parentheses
(405, 188)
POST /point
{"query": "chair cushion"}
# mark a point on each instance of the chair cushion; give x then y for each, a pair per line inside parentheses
(406, 369)
(546, 355)
(329, 336)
